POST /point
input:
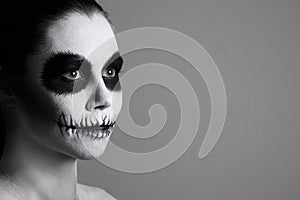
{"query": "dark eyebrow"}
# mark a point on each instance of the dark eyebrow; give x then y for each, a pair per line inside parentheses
(61, 62)
(116, 60)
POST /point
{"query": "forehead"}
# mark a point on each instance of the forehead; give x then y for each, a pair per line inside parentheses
(81, 34)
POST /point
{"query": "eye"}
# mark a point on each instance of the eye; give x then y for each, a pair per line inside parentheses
(72, 76)
(109, 73)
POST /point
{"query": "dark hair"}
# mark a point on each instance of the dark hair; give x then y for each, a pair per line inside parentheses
(23, 25)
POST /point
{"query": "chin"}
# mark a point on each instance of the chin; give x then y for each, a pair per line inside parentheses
(85, 148)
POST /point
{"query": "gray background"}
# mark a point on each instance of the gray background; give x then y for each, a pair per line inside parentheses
(256, 45)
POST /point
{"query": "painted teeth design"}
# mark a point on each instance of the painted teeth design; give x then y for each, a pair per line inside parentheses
(92, 133)
(98, 135)
(89, 127)
(70, 132)
(89, 123)
(94, 120)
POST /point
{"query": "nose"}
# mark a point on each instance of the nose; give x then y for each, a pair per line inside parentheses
(100, 98)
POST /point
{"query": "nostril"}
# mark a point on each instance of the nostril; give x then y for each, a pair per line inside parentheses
(102, 107)
(92, 105)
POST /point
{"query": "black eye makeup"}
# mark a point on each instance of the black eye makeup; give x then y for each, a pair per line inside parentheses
(66, 73)
(110, 72)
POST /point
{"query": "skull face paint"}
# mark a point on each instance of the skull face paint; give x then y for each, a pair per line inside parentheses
(76, 76)
(67, 73)
(63, 70)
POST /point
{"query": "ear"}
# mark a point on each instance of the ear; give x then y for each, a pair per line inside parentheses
(6, 90)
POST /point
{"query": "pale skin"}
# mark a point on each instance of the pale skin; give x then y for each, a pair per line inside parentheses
(40, 161)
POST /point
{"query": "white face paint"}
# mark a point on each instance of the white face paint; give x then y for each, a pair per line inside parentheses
(72, 95)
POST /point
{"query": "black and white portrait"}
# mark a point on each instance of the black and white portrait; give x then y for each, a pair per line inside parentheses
(59, 100)
(149, 100)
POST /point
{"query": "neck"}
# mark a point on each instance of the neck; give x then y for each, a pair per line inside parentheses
(37, 170)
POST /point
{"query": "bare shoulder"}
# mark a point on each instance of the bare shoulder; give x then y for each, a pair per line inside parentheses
(93, 193)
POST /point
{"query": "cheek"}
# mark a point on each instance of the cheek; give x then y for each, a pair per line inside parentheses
(35, 102)
(117, 101)
(71, 104)
(62, 103)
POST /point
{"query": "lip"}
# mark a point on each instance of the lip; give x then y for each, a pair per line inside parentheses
(91, 132)
(99, 128)
(95, 131)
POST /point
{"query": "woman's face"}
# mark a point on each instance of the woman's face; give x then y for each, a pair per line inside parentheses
(70, 96)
